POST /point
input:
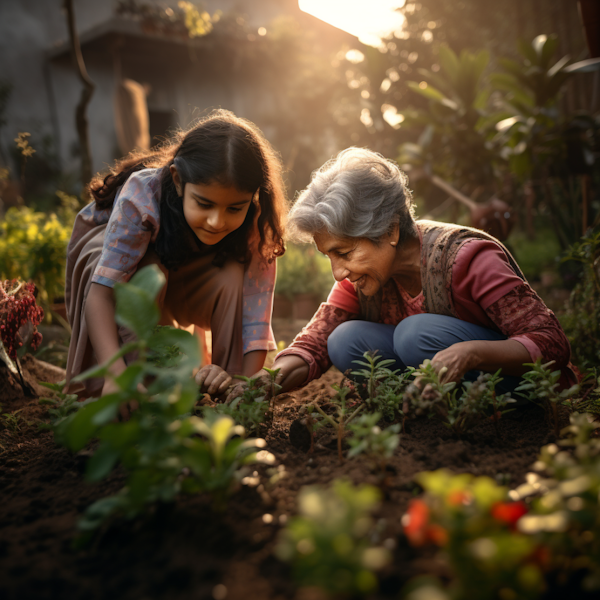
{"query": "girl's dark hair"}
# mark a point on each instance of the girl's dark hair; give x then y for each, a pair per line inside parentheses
(219, 148)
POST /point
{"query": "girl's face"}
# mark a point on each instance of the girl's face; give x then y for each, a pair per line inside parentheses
(213, 210)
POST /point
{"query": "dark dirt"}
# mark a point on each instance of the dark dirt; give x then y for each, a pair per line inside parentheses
(188, 551)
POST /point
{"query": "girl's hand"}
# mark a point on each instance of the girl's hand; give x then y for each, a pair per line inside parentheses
(458, 359)
(213, 380)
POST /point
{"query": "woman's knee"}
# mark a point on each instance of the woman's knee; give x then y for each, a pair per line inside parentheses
(339, 344)
(414, 339)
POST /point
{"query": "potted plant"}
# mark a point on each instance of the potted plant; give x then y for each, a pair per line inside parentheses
(303, 280)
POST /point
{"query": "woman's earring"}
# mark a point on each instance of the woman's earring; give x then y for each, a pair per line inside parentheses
(393, 243)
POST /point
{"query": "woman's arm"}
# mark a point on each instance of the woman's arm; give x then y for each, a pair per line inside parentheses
(508, 355)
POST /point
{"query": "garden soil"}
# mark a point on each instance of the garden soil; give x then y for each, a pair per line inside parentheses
(189, 550)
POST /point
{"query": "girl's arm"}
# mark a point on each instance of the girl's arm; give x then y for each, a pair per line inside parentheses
(253, 362)
(102, 328)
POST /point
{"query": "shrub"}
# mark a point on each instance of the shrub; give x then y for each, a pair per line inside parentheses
(33, 247)
(328, 542)
(163, 449)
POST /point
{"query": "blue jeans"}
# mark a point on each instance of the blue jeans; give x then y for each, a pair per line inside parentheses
(409, 343)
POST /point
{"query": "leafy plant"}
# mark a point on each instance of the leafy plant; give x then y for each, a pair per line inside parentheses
(60, 406)
(343, 417)
(565, 499)
(302, 270)
(328, 542)
(369, 439)
(475, 524)
(545, 150)
(581, 317)
(13, 421)
(254, 407)
(162, 449)
(542, 387)
(383, 388)
(460, 410)
(453, 142)
(33, 247)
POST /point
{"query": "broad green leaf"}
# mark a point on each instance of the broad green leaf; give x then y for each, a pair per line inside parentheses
(136, 310)
(188, 345)
(449, 63)
(81, 428)
(102, 463)
(428, 91)
(150, 279)
(102, 370)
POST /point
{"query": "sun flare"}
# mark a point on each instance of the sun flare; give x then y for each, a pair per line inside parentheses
(369, 20)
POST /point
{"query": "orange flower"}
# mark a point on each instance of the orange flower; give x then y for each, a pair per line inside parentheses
(458, 497)
(509, 512)
(415, 522)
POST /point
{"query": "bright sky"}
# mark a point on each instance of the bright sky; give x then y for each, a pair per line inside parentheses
(369, 20)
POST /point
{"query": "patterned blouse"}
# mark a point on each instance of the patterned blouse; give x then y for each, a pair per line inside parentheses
(486, 291)
(133, 223)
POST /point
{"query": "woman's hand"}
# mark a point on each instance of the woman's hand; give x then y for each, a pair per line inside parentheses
(458, 359)
(213, 380)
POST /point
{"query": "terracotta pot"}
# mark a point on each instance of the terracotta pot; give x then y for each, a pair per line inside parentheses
(305, 306)
(282, 307)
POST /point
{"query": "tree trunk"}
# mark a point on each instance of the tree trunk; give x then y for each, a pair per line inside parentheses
(81, 121)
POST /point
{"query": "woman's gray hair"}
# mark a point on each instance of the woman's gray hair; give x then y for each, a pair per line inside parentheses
(358, 194)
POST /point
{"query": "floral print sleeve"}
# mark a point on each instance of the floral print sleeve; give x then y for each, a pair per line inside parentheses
(259, 284)
(311, 343)
(522, 315)
(132, 225)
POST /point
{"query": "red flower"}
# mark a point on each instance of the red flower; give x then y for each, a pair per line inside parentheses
(415, 522)
(509, 512)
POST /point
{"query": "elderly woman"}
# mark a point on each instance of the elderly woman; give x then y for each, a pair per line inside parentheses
(409, 289)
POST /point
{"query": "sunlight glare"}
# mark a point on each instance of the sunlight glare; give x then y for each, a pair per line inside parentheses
(368, 20)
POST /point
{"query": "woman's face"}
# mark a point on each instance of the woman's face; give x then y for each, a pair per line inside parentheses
(212, 210)
(364, 263)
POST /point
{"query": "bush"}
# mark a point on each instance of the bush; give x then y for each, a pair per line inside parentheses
(33, 247)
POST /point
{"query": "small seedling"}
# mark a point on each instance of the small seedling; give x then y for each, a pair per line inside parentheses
(458, 409)
(60, 406)
(344, 415)
(541, 385)
(383, 387)
(376, 443)
(254, 407)
(328, 542)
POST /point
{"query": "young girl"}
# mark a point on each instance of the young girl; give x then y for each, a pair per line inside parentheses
(208, 208)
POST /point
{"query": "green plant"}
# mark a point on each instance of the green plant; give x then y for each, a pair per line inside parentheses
(60, 406)
(254, 407)
(383, 388)
(33, 247)
(162, 449)
(581, 317)
(302, 270)
(453, 142)
(475, 524)
(565, 499)
(328, 542)
(547, 151)
(13, 421)
(343, 417)
(542, 387)
(461, 409)
(369, 439)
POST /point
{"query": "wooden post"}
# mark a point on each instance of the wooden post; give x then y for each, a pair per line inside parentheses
(81, 121)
